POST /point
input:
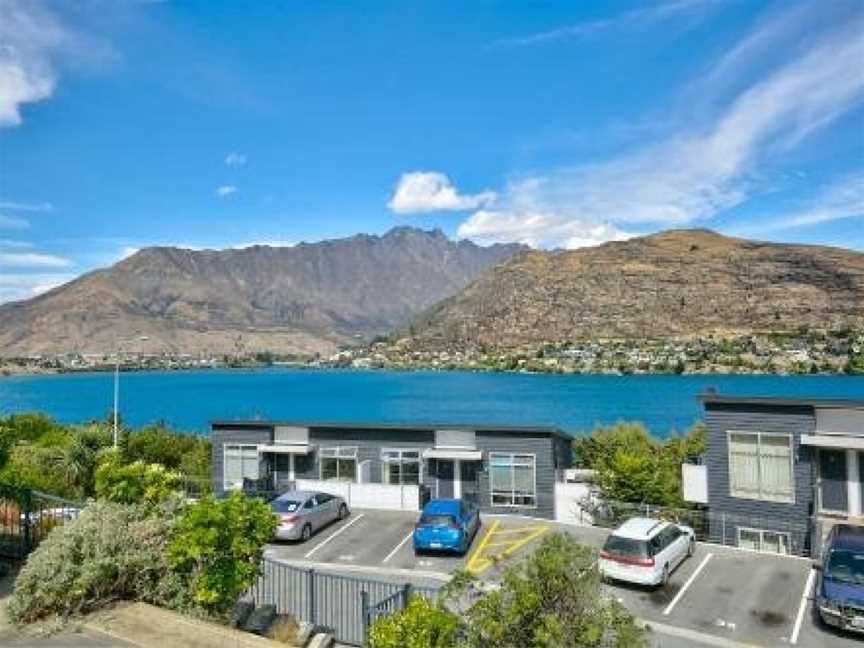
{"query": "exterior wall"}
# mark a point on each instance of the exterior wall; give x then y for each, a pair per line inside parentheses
(369, 443)
(541, 446)
(218, 439)
(552, 454)
(728, 513)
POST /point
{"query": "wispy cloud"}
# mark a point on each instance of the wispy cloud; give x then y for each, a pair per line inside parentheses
(636, 17)
(840, 200)
(13, 222)
(29, 207)
(426, 191)
(276, 243)
(226, 190)
(702, 169)
(235, 159)
(14, 244)
(32, 260)
(14, 287)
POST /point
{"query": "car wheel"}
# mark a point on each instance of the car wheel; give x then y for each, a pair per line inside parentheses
(664, 579)
(306, 533)
(343, 511)
(691, 547)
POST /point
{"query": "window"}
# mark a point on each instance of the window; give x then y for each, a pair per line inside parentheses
(512, 480)
(339, 463)
(400, 466)
(241, 461)
(760, 466)
(763, 540)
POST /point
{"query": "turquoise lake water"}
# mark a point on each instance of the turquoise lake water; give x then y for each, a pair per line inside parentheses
(187, 400)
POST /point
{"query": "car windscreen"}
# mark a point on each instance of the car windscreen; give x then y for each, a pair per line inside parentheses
(437, 520)
(845, 567)
(285, 506)
(629, 547)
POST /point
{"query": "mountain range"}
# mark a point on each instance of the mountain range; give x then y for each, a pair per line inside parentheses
(438, 294)
(674, 284)
(311, 297)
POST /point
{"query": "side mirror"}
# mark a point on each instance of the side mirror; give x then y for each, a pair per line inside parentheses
(817, 565)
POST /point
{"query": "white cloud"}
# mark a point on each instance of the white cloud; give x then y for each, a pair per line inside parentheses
(702, 170)
(276, 243)
(225, 190)
(425, 191)
(30, 38)
(235, 159)
(16, 245)
(23, 286)
(634, 17)
(32, 260)
(840, 200)
(13, 222)
(19, 206)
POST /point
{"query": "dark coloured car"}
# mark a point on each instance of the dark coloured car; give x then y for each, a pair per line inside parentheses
(446, 525)
(840, 589)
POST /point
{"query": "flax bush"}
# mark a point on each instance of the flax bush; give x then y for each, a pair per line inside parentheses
(113, 551)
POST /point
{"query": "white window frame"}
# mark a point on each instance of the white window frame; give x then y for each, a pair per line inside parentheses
(387, 459)
(511, 456)
(240, 446)
(761, 497)
(344, 453)
(762, 533)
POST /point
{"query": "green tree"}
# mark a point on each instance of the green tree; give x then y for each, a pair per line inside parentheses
(633, 466)
(552, 599)
(218, 544)
(422, 624)
(135, 483)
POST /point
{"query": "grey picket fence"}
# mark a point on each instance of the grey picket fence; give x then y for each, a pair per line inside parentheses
(344, 605)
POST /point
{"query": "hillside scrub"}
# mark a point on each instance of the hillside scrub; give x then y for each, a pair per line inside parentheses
(38, 452)
(633, 466)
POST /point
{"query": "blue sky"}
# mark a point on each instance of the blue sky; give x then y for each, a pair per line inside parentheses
(207, 124)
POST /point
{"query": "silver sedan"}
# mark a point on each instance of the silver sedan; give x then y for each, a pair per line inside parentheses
(302, 513)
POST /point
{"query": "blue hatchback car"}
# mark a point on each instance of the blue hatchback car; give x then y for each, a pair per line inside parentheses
(446, 525)
(840, 591)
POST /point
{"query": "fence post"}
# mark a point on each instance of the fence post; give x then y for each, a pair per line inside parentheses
(310, 592)
(27, 505)
(406, 594)
(364, 613)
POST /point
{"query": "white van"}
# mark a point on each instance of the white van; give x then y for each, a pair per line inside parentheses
(645, 551)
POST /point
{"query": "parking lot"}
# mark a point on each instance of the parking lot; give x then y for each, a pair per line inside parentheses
(721, 596)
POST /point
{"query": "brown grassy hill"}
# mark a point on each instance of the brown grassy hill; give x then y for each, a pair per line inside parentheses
(674, 284)
(305, 298)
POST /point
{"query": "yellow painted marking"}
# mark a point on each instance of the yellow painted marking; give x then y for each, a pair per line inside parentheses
(482, 559)
(478, 551)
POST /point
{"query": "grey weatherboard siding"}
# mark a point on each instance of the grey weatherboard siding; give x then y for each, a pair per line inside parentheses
(792, 518)
(551, 453)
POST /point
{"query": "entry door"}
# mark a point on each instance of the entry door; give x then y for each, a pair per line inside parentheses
(445, 478)
(832, 481)
(470, 483)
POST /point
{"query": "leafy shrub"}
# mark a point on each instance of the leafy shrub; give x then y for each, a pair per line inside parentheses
(422, 624)
(633, 466)
(552, 599)
(136, 482)
(110, 552)
(217, 546)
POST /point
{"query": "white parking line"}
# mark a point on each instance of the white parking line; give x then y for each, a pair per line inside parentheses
(397, 548)
(329, 538)
(686, 585)
(802, 607)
